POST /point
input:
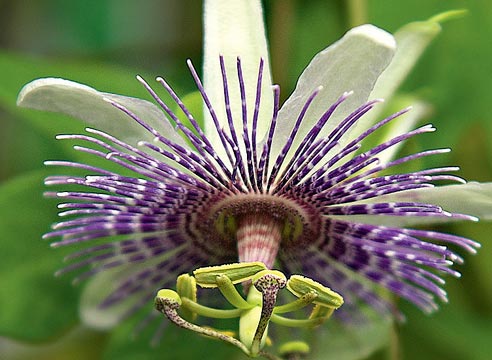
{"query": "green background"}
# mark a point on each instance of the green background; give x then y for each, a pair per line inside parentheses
(104, 43)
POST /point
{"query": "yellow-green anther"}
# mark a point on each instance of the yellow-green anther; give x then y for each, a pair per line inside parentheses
(186, 288)
(238, 272)
(293, 348)
(230, 292)
(300, 285)
(301, 302)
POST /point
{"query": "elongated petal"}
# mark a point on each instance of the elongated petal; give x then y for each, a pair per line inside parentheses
(473, 198)
(85, 103)
(411, 41)
(354, 63)
(235, 28)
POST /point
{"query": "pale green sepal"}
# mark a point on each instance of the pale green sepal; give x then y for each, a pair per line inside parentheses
(353, 63)
(103, 284)
(238, 272)
(406, 122)
(235, 28)
(411, 41)
(300, 286)
(87, 104)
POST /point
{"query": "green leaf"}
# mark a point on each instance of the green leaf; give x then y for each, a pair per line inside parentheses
(350, 342)
(175, 343)
(453, 333)
(35, 304)
(18, 70)
(77, 344)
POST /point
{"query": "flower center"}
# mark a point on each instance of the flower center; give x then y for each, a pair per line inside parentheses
(258, 225)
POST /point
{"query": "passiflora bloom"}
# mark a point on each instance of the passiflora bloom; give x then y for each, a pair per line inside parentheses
(291, 186)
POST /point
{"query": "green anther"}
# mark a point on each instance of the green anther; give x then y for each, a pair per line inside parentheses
(238, 272)
(288, 349)
(186, 288)
(300, 285)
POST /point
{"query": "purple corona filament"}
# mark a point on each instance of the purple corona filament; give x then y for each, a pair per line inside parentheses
(182, 207)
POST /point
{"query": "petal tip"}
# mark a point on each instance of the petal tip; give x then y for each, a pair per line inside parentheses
(376, 34)
(25, 99)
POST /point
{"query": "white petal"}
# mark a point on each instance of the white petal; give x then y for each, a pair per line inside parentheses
(88, 104)
(235, 28)
(353, 63)
(472, 198)
(411, 41)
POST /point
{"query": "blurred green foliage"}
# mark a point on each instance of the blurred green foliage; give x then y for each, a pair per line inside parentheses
(104, 43)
